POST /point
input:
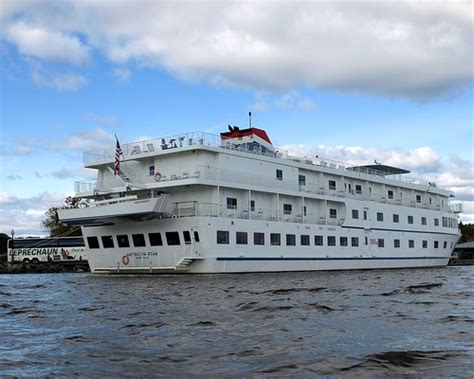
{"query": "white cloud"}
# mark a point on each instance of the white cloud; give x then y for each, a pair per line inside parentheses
(59, 81)
(38, 42)
(100, 119)
(289, 100)
(408, 49)
(25, 214)
(122, 74)
(90, 139)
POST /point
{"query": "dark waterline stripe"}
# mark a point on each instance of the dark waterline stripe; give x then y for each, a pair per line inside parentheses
(398, 230)
(321, 258)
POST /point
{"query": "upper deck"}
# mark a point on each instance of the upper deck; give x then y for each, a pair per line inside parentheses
(173, 144)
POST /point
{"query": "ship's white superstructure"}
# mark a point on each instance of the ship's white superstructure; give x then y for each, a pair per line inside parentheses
(200, 203)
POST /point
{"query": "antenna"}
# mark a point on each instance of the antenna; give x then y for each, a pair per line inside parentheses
(250, 119)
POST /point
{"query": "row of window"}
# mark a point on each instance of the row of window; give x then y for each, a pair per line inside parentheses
(241, 238)
(140, 240)
(347, 186)
(447, 221)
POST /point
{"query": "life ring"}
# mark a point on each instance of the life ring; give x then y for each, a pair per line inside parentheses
(157, 177)
(125, 260)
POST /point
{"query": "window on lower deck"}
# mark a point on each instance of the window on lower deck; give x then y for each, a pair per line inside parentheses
(436, 222)
(93, 242)
(396, 218)
(332, 213)
(425, 244)
(155, 239)
(411, 244)
(355, 214)
(259, 238)
(275, 239)
(187, 237)
(287, 208)
(381, 242)
(332, 184)
(318, 240)
(151, 170)
(172, 238)
(445, 244)
(138, 240)
(331, 241)
(355, 241)
(342, 241)
(435, 244)
(423, 221)
(279, 174)
(107, 242)
(379, 216)
(304, 240)
(196, 236)
(396, 243)
(122, 240)
(410, 219)
(241, 238)
(290, 240)
(222, 237)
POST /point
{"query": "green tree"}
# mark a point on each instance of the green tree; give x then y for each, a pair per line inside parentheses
(467, 232)
(57, 228)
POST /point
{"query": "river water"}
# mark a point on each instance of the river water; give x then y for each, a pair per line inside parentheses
(417, 322)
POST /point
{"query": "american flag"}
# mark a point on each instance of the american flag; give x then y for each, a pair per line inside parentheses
(118, 153)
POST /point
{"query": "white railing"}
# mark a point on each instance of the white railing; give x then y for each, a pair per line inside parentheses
(85, 186)
(196, 208)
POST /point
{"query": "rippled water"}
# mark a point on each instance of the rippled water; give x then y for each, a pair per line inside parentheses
(359, 323)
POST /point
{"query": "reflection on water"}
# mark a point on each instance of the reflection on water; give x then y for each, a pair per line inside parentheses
(359, 323)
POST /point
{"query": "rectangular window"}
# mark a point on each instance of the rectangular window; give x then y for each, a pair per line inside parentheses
(358, 189)
(172, 238)
(411, 244)
(418, 198)
(241, 238)
(435, 244)
(151, 170)
(107, 242)
(396, 243)
(365, 215)
(196, 236)
(390, 194)
(332, 184)
(379, 216)
(355, 241)
(355, 214)
(423, 221)
(187, 237)
(381, 242)
(252, 205)
(223, 237)
(275, 239)
(332, 213)
(122, 241)
(445, 244)
(331, 241)
(366, 241)
(231, 203)
(318, 240)
(304, 240)
(396, 218)
(138, 240)
(93, 242)
(301, 180)
(410, 219)
(155, 239)
(259, 238)
(290, 240)
(279, 174)
(342, 241)
(304, 210)
(287, 208)
(436, 222)
(425, 244)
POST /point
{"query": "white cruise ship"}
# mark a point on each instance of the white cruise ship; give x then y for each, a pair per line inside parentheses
(202, 203)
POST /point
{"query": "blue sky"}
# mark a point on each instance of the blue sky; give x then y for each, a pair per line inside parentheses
(352, 82)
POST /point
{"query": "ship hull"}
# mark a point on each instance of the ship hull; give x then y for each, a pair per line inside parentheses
(202, 254)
